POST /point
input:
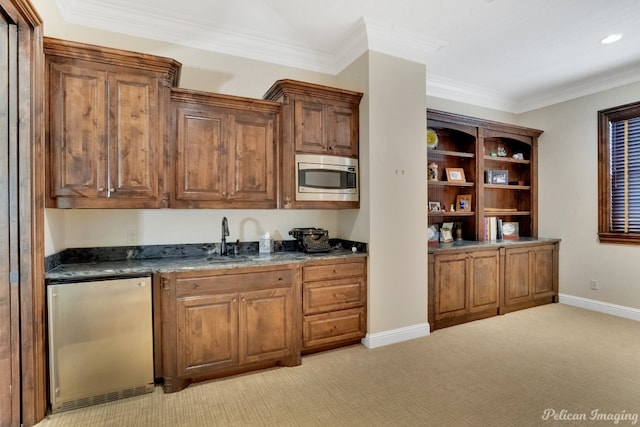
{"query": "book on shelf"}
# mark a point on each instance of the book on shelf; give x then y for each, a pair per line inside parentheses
(490, 228)
(497, 229)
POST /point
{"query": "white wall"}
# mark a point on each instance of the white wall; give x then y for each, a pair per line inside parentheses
(81, 228)
(397, 190)
(568, 199)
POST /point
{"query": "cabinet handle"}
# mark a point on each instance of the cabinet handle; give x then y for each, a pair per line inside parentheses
(100, 188)
(195, 286)
(112, 190)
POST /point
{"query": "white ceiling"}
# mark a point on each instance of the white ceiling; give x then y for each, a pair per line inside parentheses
(510, 55)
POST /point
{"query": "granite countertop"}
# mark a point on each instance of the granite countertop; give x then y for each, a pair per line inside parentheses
(96, 267)
(488, 244)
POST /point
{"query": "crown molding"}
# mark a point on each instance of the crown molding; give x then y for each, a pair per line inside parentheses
(442, 87)
(399, 42)
(365, 34)
(600, 83)
(154, 26)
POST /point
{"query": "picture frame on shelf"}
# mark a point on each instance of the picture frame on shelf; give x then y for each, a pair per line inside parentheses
(435, 207)
(446, 235)
(497, 176)
(455, 175)
(463, 202)
(510, 230)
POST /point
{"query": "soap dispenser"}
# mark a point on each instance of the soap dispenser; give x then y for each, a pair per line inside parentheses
(265, 244)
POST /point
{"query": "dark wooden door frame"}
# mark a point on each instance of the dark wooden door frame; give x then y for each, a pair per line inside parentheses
(26, 217)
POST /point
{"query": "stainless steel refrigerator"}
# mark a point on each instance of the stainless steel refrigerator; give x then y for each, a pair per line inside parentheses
(100, 341)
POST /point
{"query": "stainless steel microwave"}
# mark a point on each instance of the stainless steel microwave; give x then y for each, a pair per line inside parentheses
(326, 178)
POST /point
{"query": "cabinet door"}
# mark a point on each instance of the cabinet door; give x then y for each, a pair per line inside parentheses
(252, 152)
(343, 130)
(135, 142)
(310, 127)
(200, 165)
(451, 297)
(207, 333)
(517, 275)
(544, 272)
(484, 283)
(266, 324)
(77, 131)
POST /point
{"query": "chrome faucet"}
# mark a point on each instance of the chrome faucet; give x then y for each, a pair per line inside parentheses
(225, 233)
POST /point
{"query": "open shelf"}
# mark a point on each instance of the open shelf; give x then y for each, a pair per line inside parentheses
(506, 160)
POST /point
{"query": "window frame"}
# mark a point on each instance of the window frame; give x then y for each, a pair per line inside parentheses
(605, 117)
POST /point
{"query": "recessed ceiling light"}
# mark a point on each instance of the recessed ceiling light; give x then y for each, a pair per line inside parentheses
(611, 38)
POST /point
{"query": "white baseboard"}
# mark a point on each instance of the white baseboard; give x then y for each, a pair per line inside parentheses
(393, 336)
(602, 307)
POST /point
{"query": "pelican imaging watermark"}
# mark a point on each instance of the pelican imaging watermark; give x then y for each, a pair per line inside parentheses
(595, 415)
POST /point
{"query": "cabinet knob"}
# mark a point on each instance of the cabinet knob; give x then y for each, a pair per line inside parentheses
(112, 190)
(100, 188)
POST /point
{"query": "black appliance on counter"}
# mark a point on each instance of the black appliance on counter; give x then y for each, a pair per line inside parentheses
(311, 240)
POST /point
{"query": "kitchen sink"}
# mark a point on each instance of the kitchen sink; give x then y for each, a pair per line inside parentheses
(227, 259)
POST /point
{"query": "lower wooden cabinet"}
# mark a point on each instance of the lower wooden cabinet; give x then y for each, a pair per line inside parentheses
(463, 287)
(466, 284)
(530, 277)
(220, 322)
(333, 303)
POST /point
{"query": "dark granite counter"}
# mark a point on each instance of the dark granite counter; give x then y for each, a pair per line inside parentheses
(95, 263)
(488, 244)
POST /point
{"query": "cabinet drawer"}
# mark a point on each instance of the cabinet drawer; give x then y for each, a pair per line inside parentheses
(237, 282)
(333, 295)
(331, 271)
(329, 328)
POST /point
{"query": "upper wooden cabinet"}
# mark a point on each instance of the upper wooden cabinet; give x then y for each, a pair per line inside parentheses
(223, 151)
(315, 119)
(321, 119)
(106, 110)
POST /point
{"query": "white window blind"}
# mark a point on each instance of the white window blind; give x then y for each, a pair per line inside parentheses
(624, 137)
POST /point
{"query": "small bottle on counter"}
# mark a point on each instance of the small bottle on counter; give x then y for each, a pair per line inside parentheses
(265, 244)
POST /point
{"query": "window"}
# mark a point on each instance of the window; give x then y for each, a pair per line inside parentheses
(619, 174)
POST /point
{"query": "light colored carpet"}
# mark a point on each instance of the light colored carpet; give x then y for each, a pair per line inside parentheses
(503, 371)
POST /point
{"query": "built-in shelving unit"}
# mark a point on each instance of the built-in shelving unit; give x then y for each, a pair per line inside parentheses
(500, 174)
(483, 275)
